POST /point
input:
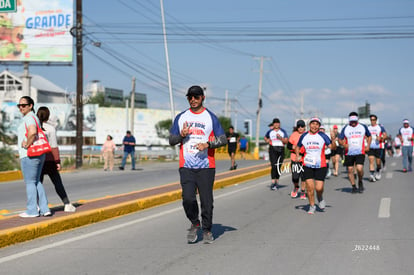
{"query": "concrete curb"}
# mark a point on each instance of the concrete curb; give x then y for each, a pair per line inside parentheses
(11, 175)
(55, 225)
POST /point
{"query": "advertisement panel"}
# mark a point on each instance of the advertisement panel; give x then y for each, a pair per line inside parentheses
(113, 121)
(62, 116)
(38, 31)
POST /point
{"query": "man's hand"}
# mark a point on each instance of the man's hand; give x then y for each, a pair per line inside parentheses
(202, 146)
(185, 130)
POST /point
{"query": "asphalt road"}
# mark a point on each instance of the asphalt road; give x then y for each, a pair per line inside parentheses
(257, 231)
(96, 183)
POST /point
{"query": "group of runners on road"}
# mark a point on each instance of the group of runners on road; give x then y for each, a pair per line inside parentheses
(312, 150)
(198, 132)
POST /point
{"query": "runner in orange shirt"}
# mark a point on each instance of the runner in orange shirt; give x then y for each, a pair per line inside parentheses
(296, 167)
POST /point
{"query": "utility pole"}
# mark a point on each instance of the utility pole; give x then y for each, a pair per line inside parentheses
(226, 103)
(260, 105)
(302, 112)
(132, 106)
(26, 80)
(167, 60)
(79, 85)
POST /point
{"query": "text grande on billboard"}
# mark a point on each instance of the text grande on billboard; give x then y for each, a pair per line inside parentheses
(48, 21)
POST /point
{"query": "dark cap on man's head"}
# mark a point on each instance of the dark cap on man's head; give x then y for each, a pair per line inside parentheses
(195, 90)
(275, 120)
(300, 123)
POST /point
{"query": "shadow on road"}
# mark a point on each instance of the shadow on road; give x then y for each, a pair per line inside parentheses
(219, 229)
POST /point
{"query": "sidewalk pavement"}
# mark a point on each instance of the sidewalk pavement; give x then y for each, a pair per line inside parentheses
(14, 229)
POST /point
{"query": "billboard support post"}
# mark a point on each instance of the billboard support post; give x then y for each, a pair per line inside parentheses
(79, 85)
(26, 80)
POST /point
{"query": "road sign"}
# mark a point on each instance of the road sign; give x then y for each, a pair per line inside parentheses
(8, 6)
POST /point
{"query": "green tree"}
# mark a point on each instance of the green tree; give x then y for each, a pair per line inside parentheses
(225, 122)
(163, 128)
(8, 159)
(99, 99)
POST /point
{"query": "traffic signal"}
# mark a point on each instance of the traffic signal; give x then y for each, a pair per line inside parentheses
(246, 127)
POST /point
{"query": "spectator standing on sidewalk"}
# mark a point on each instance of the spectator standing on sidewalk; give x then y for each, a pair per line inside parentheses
(406, 135)
(52, 165)
(243, 147)
(108, 150)
(31, 166)
(198, 131)
(232, 141)
(129, 149)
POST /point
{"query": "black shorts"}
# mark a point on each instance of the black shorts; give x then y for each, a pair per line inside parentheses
(375, 152)
(314, 173)
(354, 159)
(231, 150)
(242, 149)
(397, 147)
(338, 151)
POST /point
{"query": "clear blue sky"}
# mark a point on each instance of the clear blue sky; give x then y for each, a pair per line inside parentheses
(337, 54)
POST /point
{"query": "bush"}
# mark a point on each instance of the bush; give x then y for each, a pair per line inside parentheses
(8, 161)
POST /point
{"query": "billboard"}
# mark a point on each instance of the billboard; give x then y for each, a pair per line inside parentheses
(63, 116)
(113, 121)
(39, 31)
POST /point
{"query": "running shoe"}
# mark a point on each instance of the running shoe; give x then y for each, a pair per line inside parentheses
(328, 175)
(273, 186)
(322, 205)
(208, 237)
(372, 178)
(361, 187)
(312, 209)
(69, 208)
(47, 214)
(294, 193)
(25, 215)
(410, 169)
(354, 189)
(378, 176)
(302, 195)
(192, 233)
(405, 170)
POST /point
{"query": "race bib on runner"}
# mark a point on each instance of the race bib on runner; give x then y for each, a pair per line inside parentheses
(355, 142)
(232, 139)
(309, 160)
(192, 147)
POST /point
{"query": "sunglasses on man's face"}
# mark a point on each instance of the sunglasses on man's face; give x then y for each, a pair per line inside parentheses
(24, 105)
(196, 97)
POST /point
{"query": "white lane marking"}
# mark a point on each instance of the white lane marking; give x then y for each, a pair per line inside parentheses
(384, 208)
(388, 175)
(113, 228)
(393, 164)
